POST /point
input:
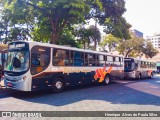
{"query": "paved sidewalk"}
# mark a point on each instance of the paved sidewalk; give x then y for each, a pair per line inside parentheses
(1, 83)
(2, 87)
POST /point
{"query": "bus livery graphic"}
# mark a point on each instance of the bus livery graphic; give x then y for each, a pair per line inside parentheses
(101, 73)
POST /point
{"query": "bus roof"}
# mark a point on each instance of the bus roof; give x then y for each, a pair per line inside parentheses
(138, 59)
(67, 48)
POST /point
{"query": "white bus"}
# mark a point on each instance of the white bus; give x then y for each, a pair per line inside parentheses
(33, 66)
(137, 68)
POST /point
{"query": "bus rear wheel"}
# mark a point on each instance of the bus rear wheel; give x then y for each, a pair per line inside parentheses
(107, 80)
(58, 85)
(139, 77)
(151, 75)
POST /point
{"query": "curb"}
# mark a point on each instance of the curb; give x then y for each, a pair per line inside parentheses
(3, 89)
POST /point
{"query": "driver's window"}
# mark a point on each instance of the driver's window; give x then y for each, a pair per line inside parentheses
(40, 58)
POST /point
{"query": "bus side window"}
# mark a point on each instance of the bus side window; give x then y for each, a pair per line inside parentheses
(109, 61)
(86, 59)
(40, 58)
(101, 60)
(60, 57)
(77, 58)
(92, 59)
(117, 62)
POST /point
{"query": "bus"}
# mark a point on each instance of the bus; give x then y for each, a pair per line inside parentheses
(3, 51)
(137, 68)
(33, 66)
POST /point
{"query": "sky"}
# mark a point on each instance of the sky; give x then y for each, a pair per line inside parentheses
(143, 15)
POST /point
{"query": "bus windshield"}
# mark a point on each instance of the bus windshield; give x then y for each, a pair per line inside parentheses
(17, 61)
(129, 66)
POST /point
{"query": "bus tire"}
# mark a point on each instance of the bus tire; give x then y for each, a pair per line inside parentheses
(139, 77)
(58, 85)
(151, 76)
(106, 80)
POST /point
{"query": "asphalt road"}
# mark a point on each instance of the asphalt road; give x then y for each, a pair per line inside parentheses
(121, 95)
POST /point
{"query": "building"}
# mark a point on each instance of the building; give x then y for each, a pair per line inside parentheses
(137, 33)
(155, 40)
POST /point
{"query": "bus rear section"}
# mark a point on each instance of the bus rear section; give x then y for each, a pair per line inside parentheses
(138, 69)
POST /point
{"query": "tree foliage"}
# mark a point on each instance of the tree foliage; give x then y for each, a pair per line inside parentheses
(82, 35)
(45, 21)
(136, 47)
(149, 50)
(94, 35)
(110, 41)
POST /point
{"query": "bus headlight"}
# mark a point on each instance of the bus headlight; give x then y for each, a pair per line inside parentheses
(22, 79)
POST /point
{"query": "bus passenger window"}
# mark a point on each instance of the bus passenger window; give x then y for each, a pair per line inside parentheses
(40, 58)
(92, 59)
(60, 57)
(109, 61)
(101, 60)
(77, 58)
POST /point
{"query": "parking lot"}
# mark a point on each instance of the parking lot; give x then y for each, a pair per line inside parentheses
(121, 95)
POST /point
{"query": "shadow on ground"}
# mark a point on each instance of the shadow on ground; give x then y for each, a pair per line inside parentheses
(116, 93)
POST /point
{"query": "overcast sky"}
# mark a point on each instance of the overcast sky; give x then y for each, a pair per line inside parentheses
(144, 15)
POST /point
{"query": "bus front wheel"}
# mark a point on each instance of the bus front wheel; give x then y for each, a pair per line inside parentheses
(58, 85)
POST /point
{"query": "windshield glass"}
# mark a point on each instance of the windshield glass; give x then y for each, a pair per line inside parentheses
(129, 66)
(17, 61)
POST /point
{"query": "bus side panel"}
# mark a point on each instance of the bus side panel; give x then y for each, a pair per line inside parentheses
(45, 80)
(117, 74)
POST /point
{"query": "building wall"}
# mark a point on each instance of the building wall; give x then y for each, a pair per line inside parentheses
(155, 40)
(137, 33)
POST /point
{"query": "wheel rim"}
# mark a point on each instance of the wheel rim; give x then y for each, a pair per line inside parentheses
(107, 80)
(58, 85)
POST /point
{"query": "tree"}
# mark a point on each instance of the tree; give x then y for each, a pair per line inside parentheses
(136, 47)
(117, 27)
(109, 14)
(88, 35)
(60, 14)
(149, 50)
(110, 41)
(67, 38)
(14, 20)
(45, 20)
(94, 35)
(5, 23)
(82, 35)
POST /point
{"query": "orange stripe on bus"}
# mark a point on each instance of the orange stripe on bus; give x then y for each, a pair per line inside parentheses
(110, 69)
(101, 73)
